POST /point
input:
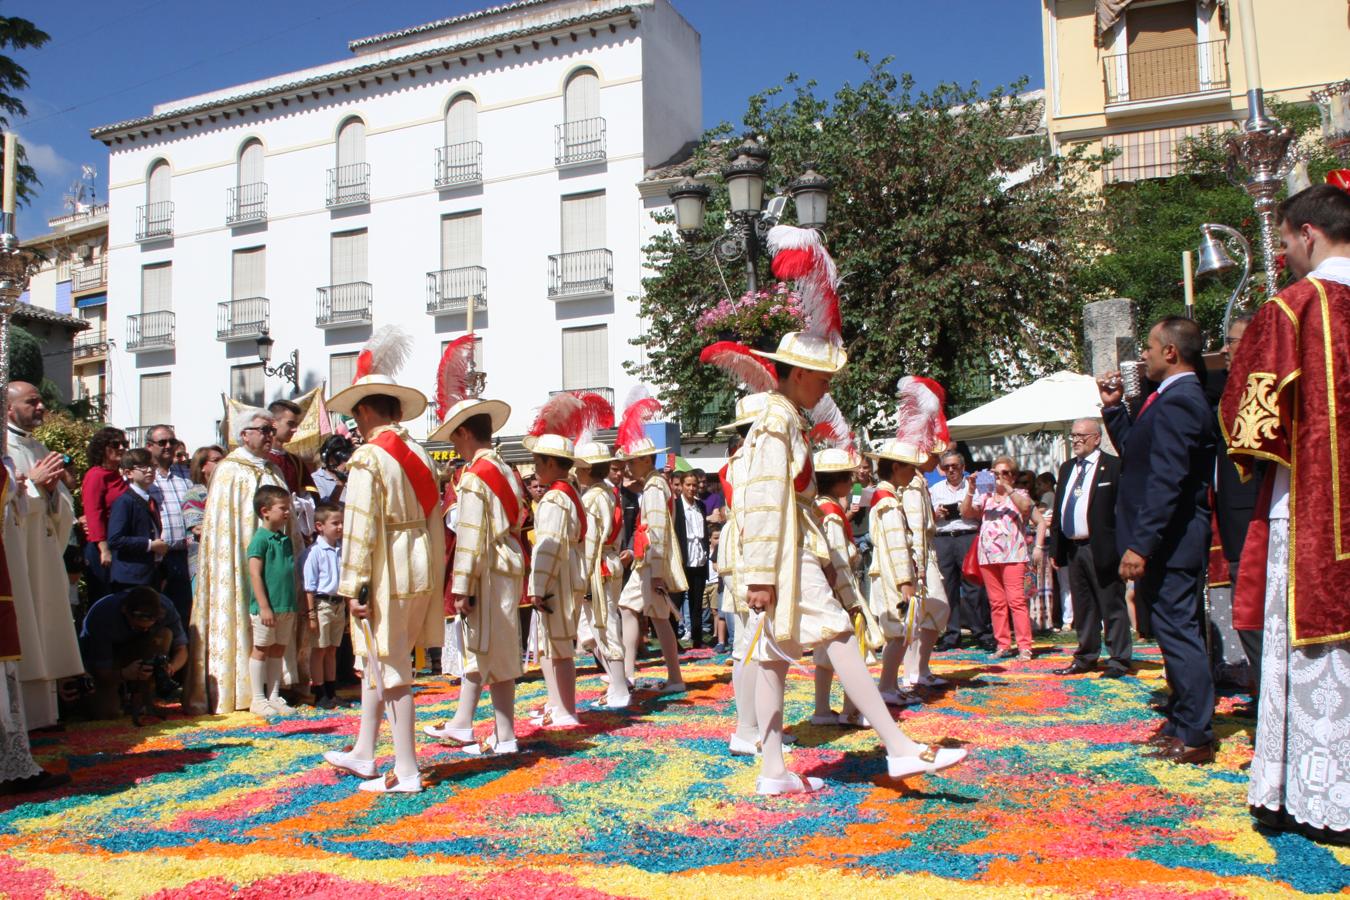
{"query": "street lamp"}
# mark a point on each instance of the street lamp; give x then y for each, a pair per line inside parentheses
(745, 174)
(289, 370)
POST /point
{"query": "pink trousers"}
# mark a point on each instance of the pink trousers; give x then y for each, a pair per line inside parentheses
(1003, 582)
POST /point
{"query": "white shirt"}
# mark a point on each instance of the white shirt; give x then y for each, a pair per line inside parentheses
(694, 554)
(943, 493)
(1080, 479)
(1167, 382)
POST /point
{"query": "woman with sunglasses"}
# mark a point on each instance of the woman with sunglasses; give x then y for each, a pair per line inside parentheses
(102, 484)
(1003, 513)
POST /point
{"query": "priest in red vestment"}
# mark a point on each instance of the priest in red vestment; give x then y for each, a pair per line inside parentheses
(1288, 401)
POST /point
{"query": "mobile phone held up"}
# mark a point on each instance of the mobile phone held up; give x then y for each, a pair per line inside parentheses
(984, 482)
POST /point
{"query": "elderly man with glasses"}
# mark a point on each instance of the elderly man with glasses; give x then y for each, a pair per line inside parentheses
(1083, 541)
(955, 534)
(220, 634)
(169, 490)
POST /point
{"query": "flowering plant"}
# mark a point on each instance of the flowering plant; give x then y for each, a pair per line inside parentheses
(771, 311)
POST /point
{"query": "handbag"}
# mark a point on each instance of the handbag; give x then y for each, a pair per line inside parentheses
(970, 566)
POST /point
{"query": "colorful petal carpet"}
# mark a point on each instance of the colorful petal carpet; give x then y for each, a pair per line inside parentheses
(1054, 802)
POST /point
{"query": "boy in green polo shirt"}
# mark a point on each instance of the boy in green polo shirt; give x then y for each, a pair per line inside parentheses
(272, 604)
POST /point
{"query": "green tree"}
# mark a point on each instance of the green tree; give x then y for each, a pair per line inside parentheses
(951, 268)
(25, 356)
(17, 34)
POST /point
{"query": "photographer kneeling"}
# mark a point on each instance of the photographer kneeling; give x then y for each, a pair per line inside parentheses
(132, 639)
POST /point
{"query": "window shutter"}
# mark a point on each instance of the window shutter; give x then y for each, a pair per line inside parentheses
(246, 384)
(157, 190)
(157, 288)
(251, 163)
(585, 357)
(461, 120)
(462, 240)
(351, 147)
(581, 98)
(341, 370)
(583, 222)
(250, 273)
(349, 257)
(155, 399)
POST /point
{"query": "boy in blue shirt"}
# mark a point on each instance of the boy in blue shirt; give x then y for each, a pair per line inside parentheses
(325, 611)
(271, 608)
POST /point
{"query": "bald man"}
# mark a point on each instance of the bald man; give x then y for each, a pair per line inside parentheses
(39, 513)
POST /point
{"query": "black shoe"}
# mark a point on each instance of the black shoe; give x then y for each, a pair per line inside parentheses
(1114, 672)
(1073, 668)
(42, 781)
(944, 646)
(988, 646)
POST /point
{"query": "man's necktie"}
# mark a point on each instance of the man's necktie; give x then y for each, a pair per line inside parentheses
(1147, 403)
(1075, 488)
(154, 514)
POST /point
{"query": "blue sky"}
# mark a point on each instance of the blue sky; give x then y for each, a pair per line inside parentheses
(111, 61)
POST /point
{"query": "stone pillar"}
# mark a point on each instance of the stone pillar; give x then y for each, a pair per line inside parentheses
(1109, 335)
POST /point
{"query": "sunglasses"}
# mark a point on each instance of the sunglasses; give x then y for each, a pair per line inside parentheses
(264, 430)
(1005, 473)
(167, 442)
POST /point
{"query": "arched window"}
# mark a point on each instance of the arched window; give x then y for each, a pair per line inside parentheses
(461, 120)
(459, 160)
(156, 218)
(250, 162)
(157, 184)
(248, 198)
(349, 182)
(581, 98)
(351, 143)
(581, 136)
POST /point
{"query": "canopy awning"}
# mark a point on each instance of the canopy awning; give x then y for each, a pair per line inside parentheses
(1048, 404)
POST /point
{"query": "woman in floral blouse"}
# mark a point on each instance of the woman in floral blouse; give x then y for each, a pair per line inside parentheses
(1002, 554)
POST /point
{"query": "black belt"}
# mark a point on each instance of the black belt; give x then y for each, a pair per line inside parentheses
(958, 533)
(1079, 542)
(333, 597)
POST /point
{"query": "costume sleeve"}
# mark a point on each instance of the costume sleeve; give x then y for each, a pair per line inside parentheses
(597, 529)
(1256, 409)
(656, 516)
(550, 546)
(845, 587)
(470, 536)
(891, 544)
(359, 537)
(765, 504)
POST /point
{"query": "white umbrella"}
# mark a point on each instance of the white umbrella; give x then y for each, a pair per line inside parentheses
(1049, 404)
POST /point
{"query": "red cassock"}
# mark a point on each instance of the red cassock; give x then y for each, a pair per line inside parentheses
(1288, 401)
(9, 622)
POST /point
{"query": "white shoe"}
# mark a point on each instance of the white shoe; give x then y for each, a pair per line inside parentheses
(262, 708)
(791, 783)
(788, 739)
(932, 759)
(448, 734)
(280, 705)
(830, 718)
(492, 747)
(556, 719)
(391, 783)
(741, 747)
(854, 719)
(929, 681)
(344, 761)
(900, 698)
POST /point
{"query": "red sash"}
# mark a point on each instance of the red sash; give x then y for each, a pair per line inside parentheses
(492, 476)
(571, 494)
(726, 484)
(830, 508)
(804, 477)
(419, 476)
(640, 540)
(880, 495)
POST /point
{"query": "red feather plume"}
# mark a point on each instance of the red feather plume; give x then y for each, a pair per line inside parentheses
(829, 427)
(452, 375)
(562, 414)
(641, 409)
(800, 255)
(755, 372)
(1339, 178)
(596, 414)
(364, 360)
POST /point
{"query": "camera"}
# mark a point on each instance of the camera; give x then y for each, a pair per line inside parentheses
(165, 687)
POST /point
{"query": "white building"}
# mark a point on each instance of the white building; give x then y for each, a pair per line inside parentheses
(494, 156)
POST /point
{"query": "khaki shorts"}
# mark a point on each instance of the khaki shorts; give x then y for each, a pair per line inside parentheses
(332, 623)
(282, 632)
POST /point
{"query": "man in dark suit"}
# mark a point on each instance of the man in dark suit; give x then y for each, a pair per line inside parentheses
(134, 527)
(1083, 547)
(1163, 523)
(691, 533)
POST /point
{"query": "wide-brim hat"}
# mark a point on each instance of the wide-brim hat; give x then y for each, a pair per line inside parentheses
(807, 352)
(413, 401)
(900, 452)
(550, 445)
(836, 459)
(639, 449)
(748, 409)
(467, 409)
(593, 453)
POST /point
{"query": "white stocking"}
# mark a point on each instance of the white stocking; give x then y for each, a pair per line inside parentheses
(769, 711)
(405, 740)
(504, 709)
(470, 689)
(862, 690)
(891, 656)
(744, 676)
(372, 711)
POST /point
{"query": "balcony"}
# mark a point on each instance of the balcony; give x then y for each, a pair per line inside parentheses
(154, 221)
(343, 305)
(607, 393)
(585, 273)
(579, 142)
(449, 290)
(95, 404)
(1167, 76)
(89, 277)
(246, 203)
(137, 435)
(238, 320)
(89, 345)
(349, 185)
(459, 164)
(150, 331)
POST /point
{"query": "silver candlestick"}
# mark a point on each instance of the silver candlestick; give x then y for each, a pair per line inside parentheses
(1259, 157)
(17, 266)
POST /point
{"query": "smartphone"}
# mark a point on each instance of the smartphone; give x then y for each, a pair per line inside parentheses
(953, 510)
(984, 482)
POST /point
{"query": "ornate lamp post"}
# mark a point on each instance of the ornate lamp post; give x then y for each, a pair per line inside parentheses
(744, 176)
(1334, 102)
(289, 370)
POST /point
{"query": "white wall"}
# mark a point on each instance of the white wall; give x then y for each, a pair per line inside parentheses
(519, 100)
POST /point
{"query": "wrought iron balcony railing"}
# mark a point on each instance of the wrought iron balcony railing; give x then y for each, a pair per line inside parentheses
(459, 164)
(90, 343)
(341, 305)
(150, 331)
(450, 290)
(349, 185)
(581, 141)
(1166, 72)
(138, 434)
(246, 203)
(154, 221)
(89, 277)
(242, 319)
(585, 273)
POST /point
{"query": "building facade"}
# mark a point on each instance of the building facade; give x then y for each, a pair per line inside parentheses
(1139, 77)
(67, 300)
(478, 170)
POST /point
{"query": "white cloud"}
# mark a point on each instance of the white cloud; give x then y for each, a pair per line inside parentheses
(45, 159)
